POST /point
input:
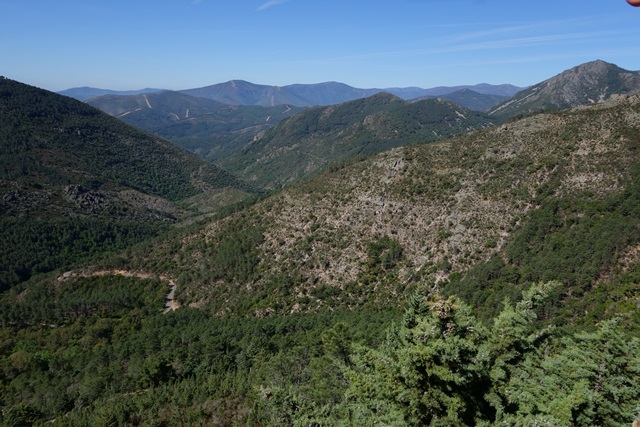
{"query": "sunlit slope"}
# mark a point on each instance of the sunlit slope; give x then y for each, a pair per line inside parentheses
(314, 139)
(482, 214)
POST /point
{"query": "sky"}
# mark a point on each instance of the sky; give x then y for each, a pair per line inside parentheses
(181, 44)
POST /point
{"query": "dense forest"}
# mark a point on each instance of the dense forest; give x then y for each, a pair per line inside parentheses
(98, 351)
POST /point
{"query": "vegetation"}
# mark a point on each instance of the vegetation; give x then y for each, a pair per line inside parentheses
(512, 251)
(443, 367)
(104, 357)
(96, 350)
(208, 128)
(52, 139)
(42, 246)
(313, 139)
(77, 185)
(217, 135)
(575, 241)
(485, 215)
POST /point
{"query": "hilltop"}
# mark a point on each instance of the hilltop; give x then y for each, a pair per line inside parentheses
(585, 84)
(316, 138)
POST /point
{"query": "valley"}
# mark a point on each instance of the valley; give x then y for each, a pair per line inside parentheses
(373, 261)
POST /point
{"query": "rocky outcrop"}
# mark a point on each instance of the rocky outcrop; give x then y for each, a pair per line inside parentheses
(87, 200)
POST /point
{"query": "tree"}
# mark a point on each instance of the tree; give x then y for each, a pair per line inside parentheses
(431, 371)
(587, 379)
(442, 367)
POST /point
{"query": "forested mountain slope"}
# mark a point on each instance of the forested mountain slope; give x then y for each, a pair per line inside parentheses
(290, 307)
(236, 136)
(154, 110)
(203, 126)
(215, 136)
(490, 212)
(75, 181)
(321, 136)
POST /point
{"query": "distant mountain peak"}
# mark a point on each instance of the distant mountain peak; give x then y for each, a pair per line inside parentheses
(589, 83)
(387, 97)
(598, 64)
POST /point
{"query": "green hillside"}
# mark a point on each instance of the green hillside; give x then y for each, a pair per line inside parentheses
(484, 214)
(311, 140)
(76, 182)
(216, 135)
(205, 127)
(154, 110)
(483, 280)
(62, 141)
(237, 137)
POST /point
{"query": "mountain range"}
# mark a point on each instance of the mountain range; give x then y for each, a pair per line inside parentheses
(241, 139)
(84, 93)
(237, 136)
(240, 92)
(487, 278)
(474, 193)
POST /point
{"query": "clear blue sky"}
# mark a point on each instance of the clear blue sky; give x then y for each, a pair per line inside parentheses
(180, 44)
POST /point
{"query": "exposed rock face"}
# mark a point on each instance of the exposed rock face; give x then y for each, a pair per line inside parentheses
(88, 201)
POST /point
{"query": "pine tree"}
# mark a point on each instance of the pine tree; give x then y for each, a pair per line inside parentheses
(442, 366)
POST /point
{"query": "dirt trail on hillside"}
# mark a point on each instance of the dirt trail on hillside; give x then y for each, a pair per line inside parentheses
(170, 303)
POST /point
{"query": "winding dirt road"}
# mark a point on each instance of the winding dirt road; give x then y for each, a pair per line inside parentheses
(170, 304)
